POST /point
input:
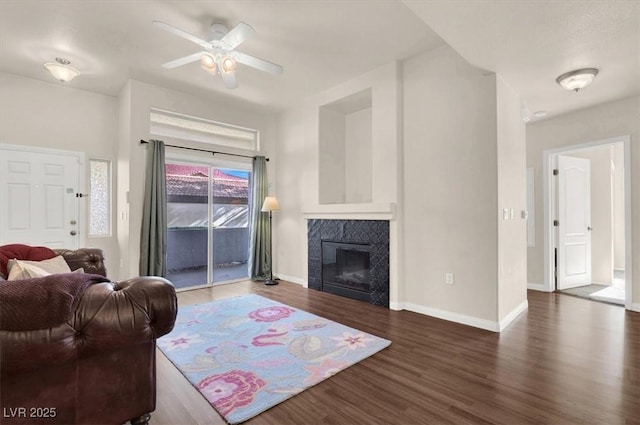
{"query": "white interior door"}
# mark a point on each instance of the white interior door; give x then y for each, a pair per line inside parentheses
(574, 228)
(38, 192)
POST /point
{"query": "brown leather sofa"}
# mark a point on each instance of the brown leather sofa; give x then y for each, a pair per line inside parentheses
(98, 367)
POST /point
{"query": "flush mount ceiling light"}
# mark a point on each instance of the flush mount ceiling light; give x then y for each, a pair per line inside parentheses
(61, 70)
(578, 79)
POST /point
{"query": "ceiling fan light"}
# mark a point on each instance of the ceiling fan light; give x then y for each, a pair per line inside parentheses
(228, 64)
(208, 62)
(578, 79)
(61, 70)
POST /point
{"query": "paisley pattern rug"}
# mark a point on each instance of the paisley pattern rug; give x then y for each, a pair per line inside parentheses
(246, 354)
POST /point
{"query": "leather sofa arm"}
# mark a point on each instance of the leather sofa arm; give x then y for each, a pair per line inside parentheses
(109, 316)
(89, 259)
(155, 295)
(133, 311)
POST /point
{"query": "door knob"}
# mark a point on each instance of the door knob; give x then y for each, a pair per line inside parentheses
(589, 228)
(73, 233)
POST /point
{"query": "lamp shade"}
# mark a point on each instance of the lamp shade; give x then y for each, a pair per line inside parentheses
(270, 204)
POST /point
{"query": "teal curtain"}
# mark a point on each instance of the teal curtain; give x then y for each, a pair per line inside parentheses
(153, 240)
(259, 245)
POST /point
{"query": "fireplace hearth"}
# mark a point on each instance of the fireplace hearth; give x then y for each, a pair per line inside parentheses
(350, 258)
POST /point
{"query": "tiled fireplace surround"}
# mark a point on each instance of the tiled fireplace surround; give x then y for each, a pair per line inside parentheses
(374, 233)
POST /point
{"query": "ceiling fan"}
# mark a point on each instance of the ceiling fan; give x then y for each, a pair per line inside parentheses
(219, 55)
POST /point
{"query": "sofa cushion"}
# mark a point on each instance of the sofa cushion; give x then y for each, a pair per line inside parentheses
(25, 269)
(22, 252)
(19, 271)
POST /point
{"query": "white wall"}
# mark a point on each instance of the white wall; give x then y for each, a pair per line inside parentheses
(296, 177)
(618, 207)
(139, 98)
(357, 156)
(124, 164)
(331, 151)
(55, 116)
(597, 123)
(450, 186)
(512, 233)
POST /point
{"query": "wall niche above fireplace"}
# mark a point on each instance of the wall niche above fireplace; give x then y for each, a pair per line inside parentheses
(345, 142)
(350, 258)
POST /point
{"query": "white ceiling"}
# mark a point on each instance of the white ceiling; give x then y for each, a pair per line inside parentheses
(529, 43)
(324, 43)
(320, 43)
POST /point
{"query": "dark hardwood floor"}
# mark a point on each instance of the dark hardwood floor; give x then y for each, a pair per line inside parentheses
(564, 361)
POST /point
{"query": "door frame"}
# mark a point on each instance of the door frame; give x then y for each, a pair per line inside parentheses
(549, 199)
(82, 184)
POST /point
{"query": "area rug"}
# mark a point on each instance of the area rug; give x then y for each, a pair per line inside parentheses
(246, 354)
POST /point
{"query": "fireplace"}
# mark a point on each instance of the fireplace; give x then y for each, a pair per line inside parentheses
(350, 258)
(346, 269)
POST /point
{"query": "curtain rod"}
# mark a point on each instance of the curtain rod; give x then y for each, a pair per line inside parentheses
(144, 142)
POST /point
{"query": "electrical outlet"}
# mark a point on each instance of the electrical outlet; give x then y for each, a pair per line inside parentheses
(448, 278)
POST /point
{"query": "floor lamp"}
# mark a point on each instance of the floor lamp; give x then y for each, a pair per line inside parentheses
(270, 205)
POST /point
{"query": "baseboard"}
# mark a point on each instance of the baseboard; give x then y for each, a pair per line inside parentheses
(396, 306)
(537, 287)
(291, 279)
(635, 307)
(454, 317)
(506, 321)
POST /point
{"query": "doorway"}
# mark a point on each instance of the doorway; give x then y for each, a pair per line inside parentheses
(588, 220)
(207, 223)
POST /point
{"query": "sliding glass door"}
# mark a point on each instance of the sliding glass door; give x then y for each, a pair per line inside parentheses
(208, 223)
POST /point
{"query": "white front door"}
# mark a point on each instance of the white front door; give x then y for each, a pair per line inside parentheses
(38, 197)
(574, 227)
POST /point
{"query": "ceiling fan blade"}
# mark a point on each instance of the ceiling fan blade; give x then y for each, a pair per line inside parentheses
(258, 63)
(237, 35)
(183, 61)
(181, 33)
(229, 79)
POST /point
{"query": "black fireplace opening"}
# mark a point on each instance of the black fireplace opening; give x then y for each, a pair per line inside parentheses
(346, 269)
(350, 258)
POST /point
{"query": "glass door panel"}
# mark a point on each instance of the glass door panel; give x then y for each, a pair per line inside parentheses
(188, 204)
(230, 229)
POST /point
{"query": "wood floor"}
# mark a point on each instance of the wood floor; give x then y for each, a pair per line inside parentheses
(564, 361)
